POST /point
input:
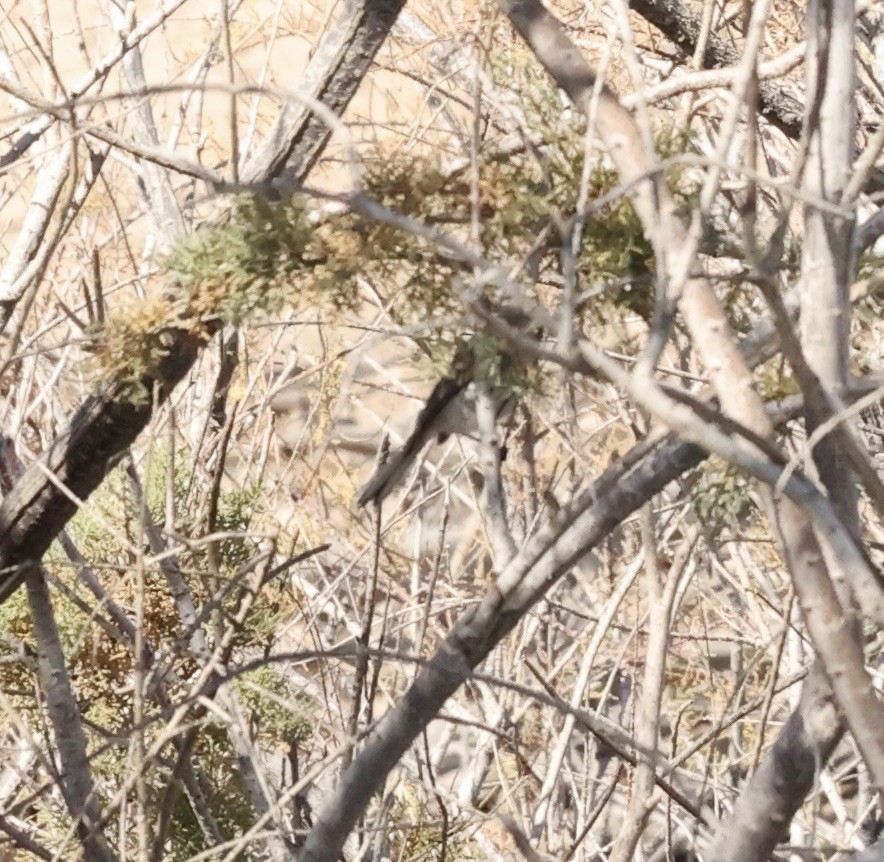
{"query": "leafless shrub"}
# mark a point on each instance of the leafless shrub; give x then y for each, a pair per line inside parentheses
(621, 600)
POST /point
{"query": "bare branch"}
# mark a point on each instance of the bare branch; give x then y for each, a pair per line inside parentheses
(681, 26)
(163, 205)
(76, 775)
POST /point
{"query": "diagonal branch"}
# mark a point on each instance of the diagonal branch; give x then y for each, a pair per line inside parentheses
(574, 531)
(45, 498)
(298, 137)
(681, 26)
(76, 782)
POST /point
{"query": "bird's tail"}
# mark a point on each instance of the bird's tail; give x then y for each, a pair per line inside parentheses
(430, 423)
(387, 476)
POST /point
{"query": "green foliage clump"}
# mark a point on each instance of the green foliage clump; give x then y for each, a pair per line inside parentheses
(484, 359)
(236, 508)
(245, 263)
(281, 716)
(263, 254)
(108, 534)
(225, 794)
(775, 380)
(722, 498)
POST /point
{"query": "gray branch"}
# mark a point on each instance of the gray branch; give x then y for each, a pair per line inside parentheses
(75, 781)
(681, 26)
(767, 804)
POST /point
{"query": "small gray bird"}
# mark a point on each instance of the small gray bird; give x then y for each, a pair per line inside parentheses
(450, 409)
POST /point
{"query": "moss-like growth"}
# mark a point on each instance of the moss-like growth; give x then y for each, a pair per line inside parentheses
(263, 254)
(722, 498)
(245, 263)
(282, 716)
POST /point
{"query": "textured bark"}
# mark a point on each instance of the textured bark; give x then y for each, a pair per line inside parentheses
(44, 499)
(298, 137)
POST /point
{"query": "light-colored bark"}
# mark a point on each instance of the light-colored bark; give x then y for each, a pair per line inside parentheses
(75, 779)
(717, 346)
